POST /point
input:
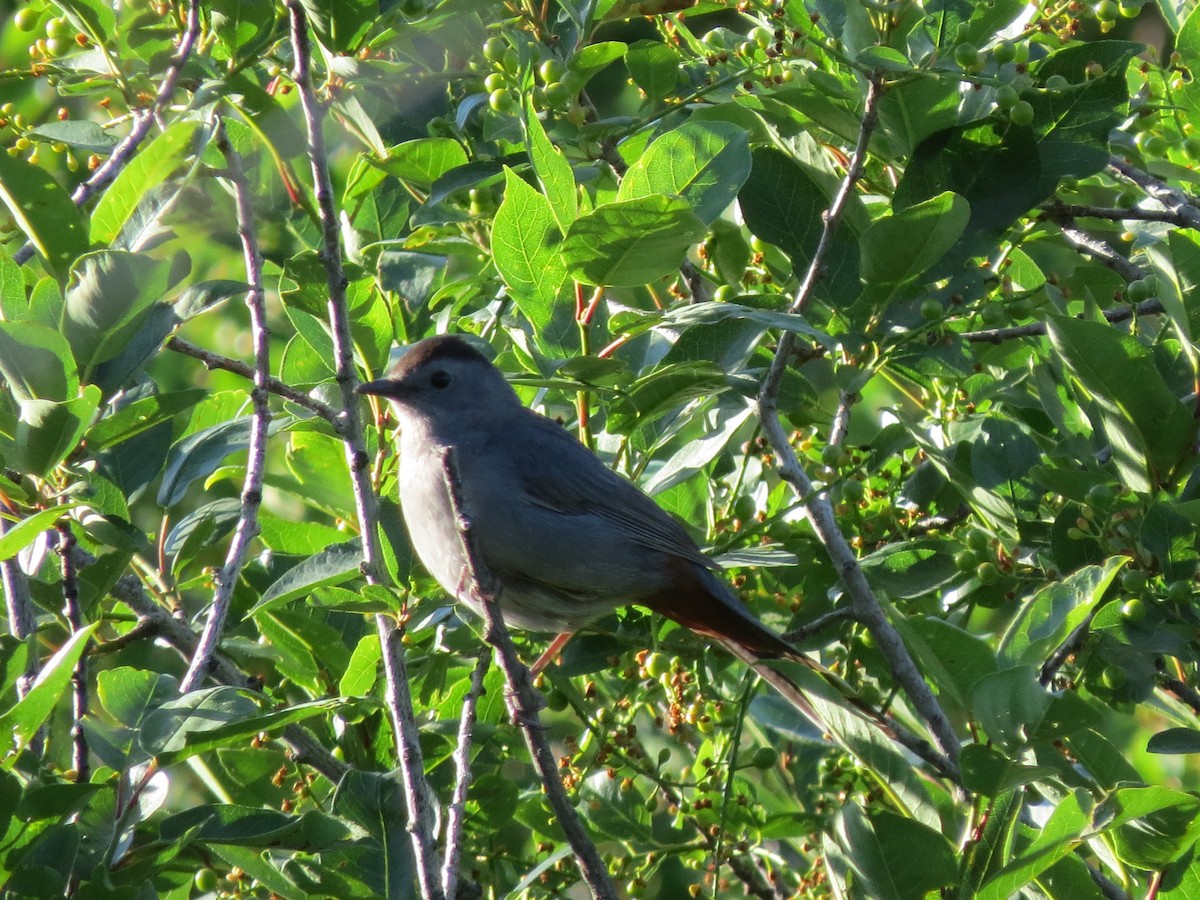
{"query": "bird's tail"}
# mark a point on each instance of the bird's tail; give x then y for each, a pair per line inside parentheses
(824, 692)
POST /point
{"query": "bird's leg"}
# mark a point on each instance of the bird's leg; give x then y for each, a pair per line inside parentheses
(550, 653)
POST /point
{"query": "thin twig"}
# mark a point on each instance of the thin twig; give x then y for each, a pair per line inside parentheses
(1175, 201)
(22, 623)
(274, 385)
(145, 628)
(841, 417)
(1072, 644)
(73, 613)
(1184, 691)
(936, 523)
(865, 606)
(1100, 251)
(1055, 210)
(418, 796)
(820, 623)
(252, 483)
(522, 699)
(1036, 329)
(143, 120)
(455, 812)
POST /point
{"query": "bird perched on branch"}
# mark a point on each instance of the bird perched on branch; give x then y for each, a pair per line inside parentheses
(564, 539)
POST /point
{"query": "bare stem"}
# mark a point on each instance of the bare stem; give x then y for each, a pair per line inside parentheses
(143, 120)
(455, 813)
(252, 484)
(274, 385)
(865, 606)
(522, 699)
(22, 624)
(398, 695)
(73, 613)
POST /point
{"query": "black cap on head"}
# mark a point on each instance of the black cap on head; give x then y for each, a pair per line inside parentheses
(415, 356)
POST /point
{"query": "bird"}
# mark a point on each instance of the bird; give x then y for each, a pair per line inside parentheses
(564, 538)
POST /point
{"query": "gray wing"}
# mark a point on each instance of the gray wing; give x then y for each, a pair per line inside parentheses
(577, 483)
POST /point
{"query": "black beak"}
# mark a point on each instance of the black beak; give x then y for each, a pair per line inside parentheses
(384, 387)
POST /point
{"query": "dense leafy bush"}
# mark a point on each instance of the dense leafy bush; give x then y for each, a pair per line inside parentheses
(891, 302)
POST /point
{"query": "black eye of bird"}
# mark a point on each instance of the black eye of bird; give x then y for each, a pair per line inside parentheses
(440, 379)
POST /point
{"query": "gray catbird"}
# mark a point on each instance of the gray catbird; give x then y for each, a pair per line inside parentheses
(566, 538)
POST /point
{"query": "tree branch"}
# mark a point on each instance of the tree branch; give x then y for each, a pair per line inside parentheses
(1177, 202)
(124, 152)
(865, 606)
(18, 603)
(274, 385)
(462, 780)
(522, 699)
(398, 696)
(1035, 329)
(252, 484)
(73, 613)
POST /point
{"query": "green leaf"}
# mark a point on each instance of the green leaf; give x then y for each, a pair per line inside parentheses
(24, 719)
(1149, 428)
(899, 248)
(107, 300)
(376, 804)
(999, 177)
(36, 362)
(149, 167)
(908, 569)
(993, 849)
(44, 212)
(26, 531)
(198, 455)
(424, 160)
(553, 171)
(169, 727)
(1055, 610)
(1174, 741)
(632, 242)
(333, 565)
(363, 668)
(595, 57)
(140, 415)
(1153, 826)
(1073, 125)
(987, 771)
(47, 431)
(81, 134)
(654, 67)
(706, 163)
(1010, 705)
(893, 856)
(955, 660)
(525, 241)
(232, 733)
(1062, 832)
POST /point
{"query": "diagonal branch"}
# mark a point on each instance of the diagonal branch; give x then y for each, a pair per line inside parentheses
(455, 813)
(522, 699)
(1177, 202)
(422, 803)
(125, 151)
(865, 605)
(237, 367)
(252, 484)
